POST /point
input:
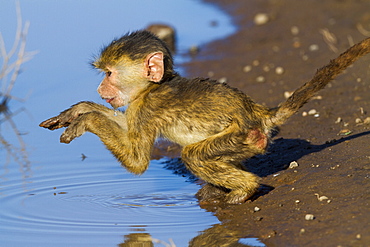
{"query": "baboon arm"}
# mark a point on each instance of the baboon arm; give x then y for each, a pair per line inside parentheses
(130, 147)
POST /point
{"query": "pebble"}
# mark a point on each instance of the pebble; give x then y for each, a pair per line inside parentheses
(260, 79)
(222, 80)
(256, 209)
(358, 120)
(362, 111)
(261, 18)
(313, 47)
(266, 68)
(318, 97)
(312, 112)
(294, 30)
(259, 218)
(287, 94)
(279, 70)
(367, 120)
(309, 217)
(247, 68)
(293, 164)
(338, 120)
(304, 114)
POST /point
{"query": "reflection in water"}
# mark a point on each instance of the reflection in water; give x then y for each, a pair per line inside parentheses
(11, 68)
(218, 235)
(137, 239)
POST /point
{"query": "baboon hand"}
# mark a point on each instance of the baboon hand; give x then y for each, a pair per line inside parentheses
(75, 129)
(65, 118)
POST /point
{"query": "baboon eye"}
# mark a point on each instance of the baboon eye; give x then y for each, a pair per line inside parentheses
(108, 73)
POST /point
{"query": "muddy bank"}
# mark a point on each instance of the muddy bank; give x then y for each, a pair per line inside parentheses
(324, 201)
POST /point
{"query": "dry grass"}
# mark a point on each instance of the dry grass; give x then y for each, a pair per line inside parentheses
(10, 69)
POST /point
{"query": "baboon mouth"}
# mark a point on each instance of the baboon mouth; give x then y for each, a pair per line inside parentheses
(109, 100)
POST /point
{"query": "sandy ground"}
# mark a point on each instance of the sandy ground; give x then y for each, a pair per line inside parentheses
(332, 181)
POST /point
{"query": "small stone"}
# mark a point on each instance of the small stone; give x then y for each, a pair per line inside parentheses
(222, 80)
(247, 68)
(304, 114)
(312, 112)
(256, 63)
(260, 79)
(266, 68)
(313, 47)
(287, 94)
(309, 217)
(261, 18)
(367, 120)
(258, 218)
(318, 97)
(362, 111)
(293, 164)
(279, 70)
(358, 120)
(294, 30)
(338, 120)
(256, 209)
(296, 44)
(297, 201)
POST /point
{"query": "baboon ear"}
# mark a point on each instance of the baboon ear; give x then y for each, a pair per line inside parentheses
(154, 67)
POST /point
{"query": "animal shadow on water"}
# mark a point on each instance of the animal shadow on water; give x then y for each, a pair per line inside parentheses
(280, 154)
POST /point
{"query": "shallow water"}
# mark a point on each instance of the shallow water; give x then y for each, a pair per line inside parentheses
(77, 194)
(97, 203)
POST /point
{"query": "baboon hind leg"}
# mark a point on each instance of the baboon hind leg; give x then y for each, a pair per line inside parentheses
(221, 166)
(223, 177)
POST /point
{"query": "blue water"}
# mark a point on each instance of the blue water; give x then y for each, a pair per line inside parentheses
(49, 195)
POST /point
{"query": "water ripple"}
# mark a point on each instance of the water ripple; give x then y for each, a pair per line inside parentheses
(99, 202)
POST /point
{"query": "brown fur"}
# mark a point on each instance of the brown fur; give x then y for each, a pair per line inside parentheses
(217, 125)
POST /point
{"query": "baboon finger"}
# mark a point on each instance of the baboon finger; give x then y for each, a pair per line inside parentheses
(53, 123)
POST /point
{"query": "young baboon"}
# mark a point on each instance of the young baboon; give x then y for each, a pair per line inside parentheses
(217, 125)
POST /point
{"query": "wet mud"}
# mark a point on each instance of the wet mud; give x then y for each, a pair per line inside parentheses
(315, 177)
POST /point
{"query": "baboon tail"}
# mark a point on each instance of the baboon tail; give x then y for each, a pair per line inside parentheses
(322, 77)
